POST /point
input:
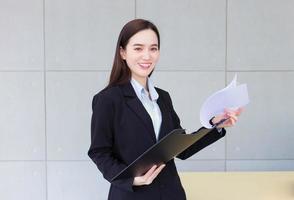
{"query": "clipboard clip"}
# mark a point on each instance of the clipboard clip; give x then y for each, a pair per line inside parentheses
(220, 122)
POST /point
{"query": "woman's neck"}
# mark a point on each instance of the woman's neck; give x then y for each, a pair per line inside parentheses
(142, 81)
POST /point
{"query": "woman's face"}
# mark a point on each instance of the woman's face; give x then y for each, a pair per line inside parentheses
(141, 54)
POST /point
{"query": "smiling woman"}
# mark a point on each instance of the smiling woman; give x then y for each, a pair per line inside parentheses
(141, 54)
(133, 43)
(130, 115)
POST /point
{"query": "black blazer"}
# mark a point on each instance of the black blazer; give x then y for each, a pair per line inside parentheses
(121, 130)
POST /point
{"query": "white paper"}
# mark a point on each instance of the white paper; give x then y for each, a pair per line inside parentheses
(233, 96)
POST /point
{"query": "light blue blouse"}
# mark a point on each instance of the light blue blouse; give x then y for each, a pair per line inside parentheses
(149, 101)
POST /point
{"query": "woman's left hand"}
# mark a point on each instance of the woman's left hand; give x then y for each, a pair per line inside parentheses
(230, 115)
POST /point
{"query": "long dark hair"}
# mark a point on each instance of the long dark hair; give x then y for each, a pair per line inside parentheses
(120, 73)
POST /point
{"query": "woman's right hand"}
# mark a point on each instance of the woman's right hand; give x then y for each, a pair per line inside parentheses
(147, 178)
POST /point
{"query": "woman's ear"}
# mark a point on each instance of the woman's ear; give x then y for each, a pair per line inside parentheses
(122, 53)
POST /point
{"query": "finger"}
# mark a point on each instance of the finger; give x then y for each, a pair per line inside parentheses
(155, 174)
(233, 117)
(233, 121)
(157, 171)
(228, 110)
(229, 122)
(239, 111)
(218, 118)
(149, 172)
(141, 180)
(234, 111)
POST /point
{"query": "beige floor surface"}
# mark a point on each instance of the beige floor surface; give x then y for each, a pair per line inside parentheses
(238, 185)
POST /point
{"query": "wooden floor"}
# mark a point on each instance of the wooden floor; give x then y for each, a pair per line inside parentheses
(238, 185)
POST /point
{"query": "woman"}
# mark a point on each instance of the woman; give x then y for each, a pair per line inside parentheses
(130, 115)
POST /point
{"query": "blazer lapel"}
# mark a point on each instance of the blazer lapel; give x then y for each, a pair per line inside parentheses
(164, 113)
(137, 107)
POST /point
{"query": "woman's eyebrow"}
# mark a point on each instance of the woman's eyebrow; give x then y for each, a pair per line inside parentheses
(144, 45)
(138, 45)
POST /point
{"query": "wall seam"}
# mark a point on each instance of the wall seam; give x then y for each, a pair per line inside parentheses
(45, 97)
(135, 1)
(226, 67)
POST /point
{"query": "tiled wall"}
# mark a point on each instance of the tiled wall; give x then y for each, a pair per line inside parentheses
(56, 54)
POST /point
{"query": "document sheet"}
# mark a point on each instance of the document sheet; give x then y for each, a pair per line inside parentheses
(233, 96)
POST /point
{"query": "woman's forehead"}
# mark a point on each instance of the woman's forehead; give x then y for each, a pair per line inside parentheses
(144, 37)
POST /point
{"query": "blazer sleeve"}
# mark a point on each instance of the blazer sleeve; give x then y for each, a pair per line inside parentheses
(101, 148)
(208, 139)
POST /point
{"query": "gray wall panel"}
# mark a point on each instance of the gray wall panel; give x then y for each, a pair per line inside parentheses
(22, 116)
(21, 35)
(200, 165)
(260, 165)
(260, 34)
(83, 34)
(193, 40)
(22, 180)
(69, 101)
(265, 130)
(75, 181)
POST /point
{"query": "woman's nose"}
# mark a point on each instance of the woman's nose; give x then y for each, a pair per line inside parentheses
(146, 55)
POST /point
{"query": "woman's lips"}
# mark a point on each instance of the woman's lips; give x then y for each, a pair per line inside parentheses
(145, 65)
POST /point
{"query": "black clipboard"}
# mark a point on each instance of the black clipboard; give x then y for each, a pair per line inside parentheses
(161, 152)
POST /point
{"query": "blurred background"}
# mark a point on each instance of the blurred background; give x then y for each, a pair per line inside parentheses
(56, 54)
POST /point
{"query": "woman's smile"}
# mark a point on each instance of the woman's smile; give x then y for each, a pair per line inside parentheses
(145, 65)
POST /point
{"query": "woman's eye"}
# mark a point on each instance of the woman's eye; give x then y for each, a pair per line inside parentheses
(154, 49)
(138, 49)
